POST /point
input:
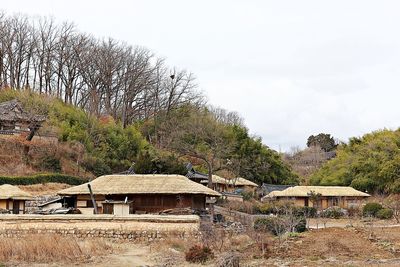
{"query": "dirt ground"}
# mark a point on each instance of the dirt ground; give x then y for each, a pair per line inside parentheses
(322, 247)
(340, 247)
(342, 223)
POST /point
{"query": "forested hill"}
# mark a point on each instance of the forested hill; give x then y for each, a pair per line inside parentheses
(162, 144)
(117, 104)
(369, 163)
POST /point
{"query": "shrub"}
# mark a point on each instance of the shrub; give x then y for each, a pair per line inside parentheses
(384, 214)
(310, 212)
(199, 254)
(271, 224)
(265, 208)
(371, 209)
(42, 179)
(50, 163)
(278, 225)
(247, 195)
(269, 208)
(333, 212)
(301, 225)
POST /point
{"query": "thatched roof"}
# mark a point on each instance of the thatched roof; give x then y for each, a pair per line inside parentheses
(326, 191)
(8, 191)
(13, 111)
(235, 181)
(141, 184)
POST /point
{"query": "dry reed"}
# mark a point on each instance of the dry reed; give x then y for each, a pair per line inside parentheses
(50, 248)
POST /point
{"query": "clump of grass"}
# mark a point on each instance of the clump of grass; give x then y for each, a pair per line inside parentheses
(50, 248)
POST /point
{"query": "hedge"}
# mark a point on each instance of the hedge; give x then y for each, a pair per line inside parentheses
(42, 179)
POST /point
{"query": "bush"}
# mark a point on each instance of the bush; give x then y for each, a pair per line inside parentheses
(42, 179)
(333, 212)
(265, 208)
(271, 224)
(384, 214)
(309, 212)
(371, 209)
(278, 225)
(268, 208)
(199, 254)
(247, 195)
(50, 163)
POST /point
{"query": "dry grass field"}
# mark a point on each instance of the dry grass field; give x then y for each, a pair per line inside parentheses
(323, 247)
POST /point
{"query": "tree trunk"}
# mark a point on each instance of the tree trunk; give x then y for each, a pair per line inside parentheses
(210, 171)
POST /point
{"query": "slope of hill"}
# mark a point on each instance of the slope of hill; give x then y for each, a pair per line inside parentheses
(90, 146)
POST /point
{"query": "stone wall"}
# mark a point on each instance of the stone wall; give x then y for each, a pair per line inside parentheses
(137, 228)
(237, 216)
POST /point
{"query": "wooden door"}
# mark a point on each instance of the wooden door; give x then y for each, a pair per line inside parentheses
(108, 208)
(16, 206)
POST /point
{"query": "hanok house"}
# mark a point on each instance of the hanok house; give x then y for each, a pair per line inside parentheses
(13, 199)
(221, 184)
(320, 197)
(14, 119)
(130, 194)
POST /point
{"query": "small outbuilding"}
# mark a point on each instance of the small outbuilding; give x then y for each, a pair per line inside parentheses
(13, 199)
(320, 197)
(122, 194)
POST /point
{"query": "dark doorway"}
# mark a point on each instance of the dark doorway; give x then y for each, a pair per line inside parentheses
(16, 206)
(108, 208)
(306, 202)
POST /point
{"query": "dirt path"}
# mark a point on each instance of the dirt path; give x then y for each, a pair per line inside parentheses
(133, 255)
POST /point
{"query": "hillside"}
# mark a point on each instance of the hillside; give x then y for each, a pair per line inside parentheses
(75, 143)
(369, 163)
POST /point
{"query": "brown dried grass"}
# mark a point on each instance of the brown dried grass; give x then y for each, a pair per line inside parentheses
(48, 248)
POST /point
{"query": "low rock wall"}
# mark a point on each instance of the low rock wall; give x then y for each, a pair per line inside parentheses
(244, 218)
(138, 228)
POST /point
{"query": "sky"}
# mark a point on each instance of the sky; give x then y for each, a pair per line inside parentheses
(290, 68)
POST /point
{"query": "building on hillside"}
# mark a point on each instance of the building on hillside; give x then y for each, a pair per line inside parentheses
(194, 175)
(14, 119)
(320, 197)
(130, 194)
(221, 184)
(13, 199)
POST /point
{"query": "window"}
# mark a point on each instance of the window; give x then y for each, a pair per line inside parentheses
(352, 203)
(334, 201)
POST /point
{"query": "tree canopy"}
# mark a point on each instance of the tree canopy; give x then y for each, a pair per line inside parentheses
(368, 163)
(324, 141)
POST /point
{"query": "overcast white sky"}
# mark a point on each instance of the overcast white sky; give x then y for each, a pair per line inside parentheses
(290, 68)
